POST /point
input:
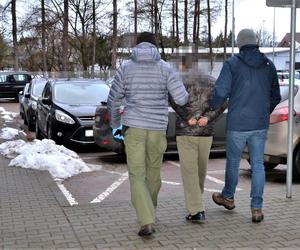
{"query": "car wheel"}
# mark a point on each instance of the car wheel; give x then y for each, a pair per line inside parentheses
(49, 132)
(31, 125)
(268, 165)
(38, 134)
(25, 120)
(296, 163)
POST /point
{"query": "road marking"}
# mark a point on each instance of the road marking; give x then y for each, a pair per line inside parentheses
(174, 163)
(67, 194)
(172, 183)
(213, 179)
(212, 190)
(110, 189)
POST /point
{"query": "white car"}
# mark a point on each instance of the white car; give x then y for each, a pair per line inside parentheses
(276, 144)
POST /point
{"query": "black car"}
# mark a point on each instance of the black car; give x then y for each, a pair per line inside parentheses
(11, 83)
(66, 110)
(29, 101)
(21, 99)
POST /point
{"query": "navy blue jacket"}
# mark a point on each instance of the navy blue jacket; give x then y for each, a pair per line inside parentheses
(249, 82)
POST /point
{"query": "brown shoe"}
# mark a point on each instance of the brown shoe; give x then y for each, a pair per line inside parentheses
(146, 230)
(257, 214)
(220, 200)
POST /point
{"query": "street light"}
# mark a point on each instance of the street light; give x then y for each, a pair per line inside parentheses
(293, 4)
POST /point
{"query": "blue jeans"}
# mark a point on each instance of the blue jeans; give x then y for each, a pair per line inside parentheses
(235, 143)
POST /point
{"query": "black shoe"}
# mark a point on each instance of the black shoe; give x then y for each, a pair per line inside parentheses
(146, 230)
(257, 215)
(198, 217)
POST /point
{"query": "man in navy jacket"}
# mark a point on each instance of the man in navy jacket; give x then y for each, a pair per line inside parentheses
(250, 84)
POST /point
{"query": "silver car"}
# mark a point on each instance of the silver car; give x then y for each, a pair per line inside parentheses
(276, 145)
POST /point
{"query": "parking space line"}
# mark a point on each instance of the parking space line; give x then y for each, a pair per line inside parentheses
(172, 183)
(110, 189)
(213, 179)
(67, 194)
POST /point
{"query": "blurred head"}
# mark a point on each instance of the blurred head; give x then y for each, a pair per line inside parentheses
(246, 37)
(146, 37)
(187, 61)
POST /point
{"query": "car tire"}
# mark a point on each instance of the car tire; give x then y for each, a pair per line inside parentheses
(296, 163)
(38, 134)
(268, 165)
(49, 132)
(31, 125)
(25, 120)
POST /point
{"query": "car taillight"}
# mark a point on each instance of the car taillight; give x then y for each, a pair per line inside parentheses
(105, 142)
(280, 114)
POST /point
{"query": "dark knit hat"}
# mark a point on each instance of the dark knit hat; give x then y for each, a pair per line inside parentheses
(246, 37)
(146, 37)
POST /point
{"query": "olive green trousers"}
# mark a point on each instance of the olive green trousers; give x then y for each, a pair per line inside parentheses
(144, 151)
(193, 155)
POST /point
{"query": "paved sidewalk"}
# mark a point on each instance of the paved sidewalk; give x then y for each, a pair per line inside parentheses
(35, 215)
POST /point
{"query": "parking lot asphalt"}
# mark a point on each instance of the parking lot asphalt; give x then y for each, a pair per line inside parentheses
(34, 214)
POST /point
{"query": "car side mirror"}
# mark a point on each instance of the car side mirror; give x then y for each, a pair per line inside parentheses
(46, 101)
(27, 95)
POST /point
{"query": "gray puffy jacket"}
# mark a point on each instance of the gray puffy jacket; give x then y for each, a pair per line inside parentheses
(142, 85)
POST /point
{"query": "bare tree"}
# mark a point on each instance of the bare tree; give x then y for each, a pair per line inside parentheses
(94, 40)
(115, 36)
(225, 29)
(177, 23)
(135, 17)
(14, 34)
(156, 24)
(65, 36)
(43, 35)
(196, 25)
(186, 40)
(209, 34)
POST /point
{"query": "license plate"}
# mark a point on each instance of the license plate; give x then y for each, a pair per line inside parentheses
(89, 133)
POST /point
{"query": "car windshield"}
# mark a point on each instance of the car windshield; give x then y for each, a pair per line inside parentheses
(38, 88)
(81, 93)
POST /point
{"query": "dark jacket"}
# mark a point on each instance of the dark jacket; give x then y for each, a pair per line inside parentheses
(200, 88)
(250, 82)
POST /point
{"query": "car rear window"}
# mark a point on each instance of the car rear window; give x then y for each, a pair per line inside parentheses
(17, 77)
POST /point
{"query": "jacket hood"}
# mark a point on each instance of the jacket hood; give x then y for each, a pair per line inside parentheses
(251, 56)
(145, 52)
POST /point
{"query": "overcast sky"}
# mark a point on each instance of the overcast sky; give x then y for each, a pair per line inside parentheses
(256, 15)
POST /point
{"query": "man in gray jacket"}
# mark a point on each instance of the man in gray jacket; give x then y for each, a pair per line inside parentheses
(142, 85)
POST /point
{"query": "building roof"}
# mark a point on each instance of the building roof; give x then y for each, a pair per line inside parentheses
(285, 42)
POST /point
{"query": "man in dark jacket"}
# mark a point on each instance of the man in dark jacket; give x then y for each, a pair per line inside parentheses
(249, 80)
(194, 135)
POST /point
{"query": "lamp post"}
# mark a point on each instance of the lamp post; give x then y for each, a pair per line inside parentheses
(292, 4)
